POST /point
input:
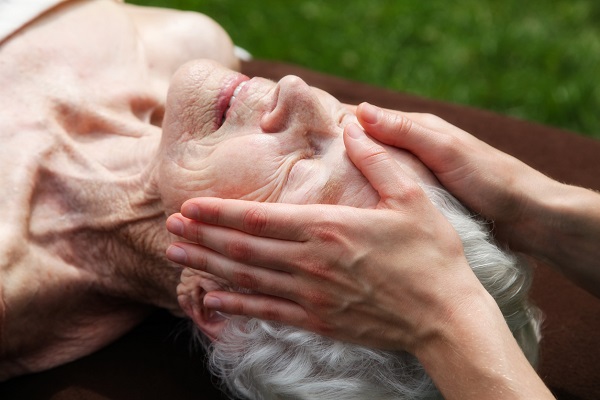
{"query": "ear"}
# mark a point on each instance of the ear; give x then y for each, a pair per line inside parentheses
(190, 294)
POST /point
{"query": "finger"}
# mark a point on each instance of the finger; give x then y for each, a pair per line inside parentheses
(240, 275)
(383, 172)
(240, 246)
(274, 220)
(175, 224)
(257, 306)
(433, 147)
(387, 126)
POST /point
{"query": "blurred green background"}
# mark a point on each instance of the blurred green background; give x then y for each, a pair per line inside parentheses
(537, 60)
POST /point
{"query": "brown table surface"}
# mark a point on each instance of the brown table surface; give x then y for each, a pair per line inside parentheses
(155, 360)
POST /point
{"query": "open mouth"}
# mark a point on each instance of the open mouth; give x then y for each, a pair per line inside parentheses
(236, 91)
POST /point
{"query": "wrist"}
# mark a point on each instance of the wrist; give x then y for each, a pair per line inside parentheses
(473, 355)
(531, 197)
(562, 229)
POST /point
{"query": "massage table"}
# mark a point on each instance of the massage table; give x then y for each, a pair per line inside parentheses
(157, 361)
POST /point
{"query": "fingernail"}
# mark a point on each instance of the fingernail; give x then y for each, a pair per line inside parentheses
(176, 254)
(354, 131)
(212, 302)
(175, 226)
(369, 113)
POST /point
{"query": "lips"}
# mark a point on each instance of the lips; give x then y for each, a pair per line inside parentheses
(227, 96)
(232, 99)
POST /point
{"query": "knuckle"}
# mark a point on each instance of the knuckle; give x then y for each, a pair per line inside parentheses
(254, 220)
(400, 124)
(244, 279)
(318, 270)
(322, 327)
(412, 189)
(450, 142)
(431, 120)
(407, 192)
(200, 261)
(456, 150)
(412, 192)
(272, 314)
(237, 305)
(320, 300)
(239, 250)
(215, 212)
(286, 291)
(195, 232)
(326, 231)
(375, 155)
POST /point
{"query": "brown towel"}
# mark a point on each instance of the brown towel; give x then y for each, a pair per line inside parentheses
(155, 361)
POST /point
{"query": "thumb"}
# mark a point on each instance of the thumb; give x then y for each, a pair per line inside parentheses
(383, 173)
(396, 129)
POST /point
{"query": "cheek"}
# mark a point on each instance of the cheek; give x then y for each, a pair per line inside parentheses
(250, 168)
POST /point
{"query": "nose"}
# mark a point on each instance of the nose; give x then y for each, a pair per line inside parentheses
(297, 106)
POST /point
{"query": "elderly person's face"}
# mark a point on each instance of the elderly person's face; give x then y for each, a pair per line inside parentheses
(283, 142)
(230, 137)
(227, 136)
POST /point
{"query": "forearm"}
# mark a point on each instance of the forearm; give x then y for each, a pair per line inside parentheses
(562, 228)
(473, 355)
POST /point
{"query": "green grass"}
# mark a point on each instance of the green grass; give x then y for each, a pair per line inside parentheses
(537, 60)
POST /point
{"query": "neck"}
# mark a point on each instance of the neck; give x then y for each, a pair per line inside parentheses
(96, 208)
(82, 240)
(142, 273)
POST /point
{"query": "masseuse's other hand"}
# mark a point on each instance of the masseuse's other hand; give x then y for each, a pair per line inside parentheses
(490, 182)
(353, 274)
(532, 213)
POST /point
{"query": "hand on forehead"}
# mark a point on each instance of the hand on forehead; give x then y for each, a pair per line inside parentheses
(229, 136)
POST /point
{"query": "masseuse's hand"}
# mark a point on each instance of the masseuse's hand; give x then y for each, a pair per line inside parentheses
(490, 182)
(534, 214)
(353, 274)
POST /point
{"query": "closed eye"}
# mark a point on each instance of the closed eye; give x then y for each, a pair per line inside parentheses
(313, 148)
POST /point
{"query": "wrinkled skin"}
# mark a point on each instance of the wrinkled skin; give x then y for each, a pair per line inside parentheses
(82, 239)
(279, 142)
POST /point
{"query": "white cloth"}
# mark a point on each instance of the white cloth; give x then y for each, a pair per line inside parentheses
(14, 14)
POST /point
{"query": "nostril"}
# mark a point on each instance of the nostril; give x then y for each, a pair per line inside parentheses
(274, 121)
(157, 116)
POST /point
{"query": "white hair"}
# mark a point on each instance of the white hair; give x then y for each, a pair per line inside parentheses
(258, 359)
